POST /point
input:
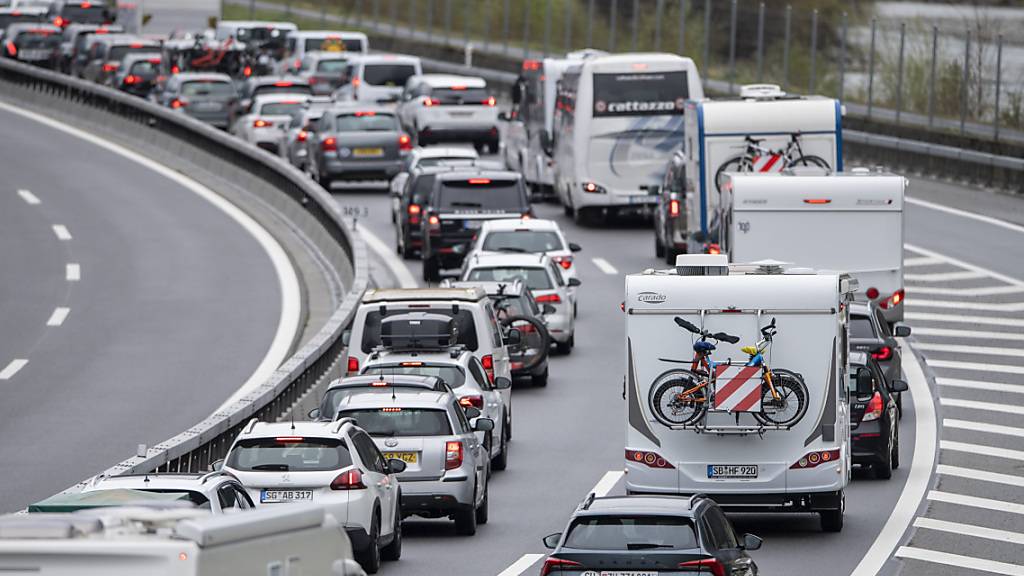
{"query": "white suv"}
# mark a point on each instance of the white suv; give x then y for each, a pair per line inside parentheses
(377, 78)
(444, 108)
(218, 492)
(333, 464)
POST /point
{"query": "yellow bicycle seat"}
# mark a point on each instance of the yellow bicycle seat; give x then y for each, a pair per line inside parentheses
(751, 350)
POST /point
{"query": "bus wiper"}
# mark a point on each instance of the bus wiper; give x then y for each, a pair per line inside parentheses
(646, 546)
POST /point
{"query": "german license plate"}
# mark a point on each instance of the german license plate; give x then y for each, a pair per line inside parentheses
(208, 106)
(732, 471)
(460, 114)
(407, 457)
(367, 152)
(276, 496)
(35, 54)
(472, 224)
(643, 199)
(622, 573)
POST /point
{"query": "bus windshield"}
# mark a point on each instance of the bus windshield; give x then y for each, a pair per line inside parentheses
(640, 93)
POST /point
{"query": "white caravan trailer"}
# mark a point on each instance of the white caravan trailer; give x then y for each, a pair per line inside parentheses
(851, 222)
(765, 130)
(732, 451)
(284, 541)
(619, 122)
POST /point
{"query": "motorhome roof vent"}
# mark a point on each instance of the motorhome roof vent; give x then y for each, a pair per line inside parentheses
(702, 265)
(761, 91)
(770, 267)
(796, 271)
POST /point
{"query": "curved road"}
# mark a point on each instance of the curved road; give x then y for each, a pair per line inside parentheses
(172, 305)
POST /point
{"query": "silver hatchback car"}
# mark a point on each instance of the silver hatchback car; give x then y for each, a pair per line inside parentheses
(356, 142)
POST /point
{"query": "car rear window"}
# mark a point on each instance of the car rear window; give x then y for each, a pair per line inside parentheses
(119, 52)
(631, 533)
(207, 88)
(402, 421)
(289, 454)
(860, 327)
(388, 74)
(534, 278)
(463, 321)
(482, 194)
(523, 240)
(452, 375)
(281, 108)
(282, 88)
(31, 39)
(331, 66)
(453, 161)
(367, 122)
(85, 14)
(421, 187)
(334, 44)
(146, 67)
(456, 96)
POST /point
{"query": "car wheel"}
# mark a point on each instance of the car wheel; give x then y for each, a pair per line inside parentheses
(465, 521)
(831, 520)
(431, 270)
(540, 380)
(883, 470)
(508, 427)
(481, 510)
(500, 462)
(393, 551)
(670, 255)
(896, 452)
(659, 248)
(899, 405)
(370, 558)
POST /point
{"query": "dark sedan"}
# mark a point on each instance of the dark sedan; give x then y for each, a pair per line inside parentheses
(869, 332)
(874, 417)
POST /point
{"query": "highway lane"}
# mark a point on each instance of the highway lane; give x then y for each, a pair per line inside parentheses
(175, 306)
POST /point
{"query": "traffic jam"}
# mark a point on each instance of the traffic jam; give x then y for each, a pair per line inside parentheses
(761, 367)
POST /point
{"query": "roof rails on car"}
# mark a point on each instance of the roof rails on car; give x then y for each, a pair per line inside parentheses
(390, 381)
(585, 505)
(694, 499)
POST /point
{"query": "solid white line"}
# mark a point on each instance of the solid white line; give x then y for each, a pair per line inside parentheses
(965, 214)
(983, 427)
(62, 232)
(980, 475)
(975, 502)
(982, 450)
(521, 565)
(288, 280)
(959, 561)
(607, 482)
(943, 276)
(986, 320)
(58, 316)
(604, 265)
(979, 366)
(28, 197)
(965, 349)
(986, 406)
(976, 292)
(964, 265)
(979, 334)
(970, 530)
(980, 385)
(12, 368)
(387, 255)
(73, 272)
(921, 261)
(919, 479)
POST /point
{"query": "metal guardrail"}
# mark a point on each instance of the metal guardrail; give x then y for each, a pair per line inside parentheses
(274, 182)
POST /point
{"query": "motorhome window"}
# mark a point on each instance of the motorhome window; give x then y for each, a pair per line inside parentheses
(463, 320)
(631, 533)
(452, 375)
(286, 455)
(535, 278)
(387, 74)
(640, 94)
(401, 422)
(523, 241)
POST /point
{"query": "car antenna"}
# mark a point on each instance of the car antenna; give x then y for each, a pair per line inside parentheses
(293, 420)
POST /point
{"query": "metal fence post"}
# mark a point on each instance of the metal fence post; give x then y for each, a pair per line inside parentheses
(707, 37)
(963, 84)
(359, 13)
(505, 26)
(288, 8)
(871, 66)
(487, 23)
(252, 9)
(394, 18)
(899, 72)
(567, 28)
(526, 29)
(376, 13)
(465, 22)
(814, 52)
(547, 28)
(323, 13)
(760, 41)
(682, 27)
(611, 34)
(840, 92)
(430, 21)
(785, 46)
(659, 10)
(931, 78)
(636, 22)
(447, 22)
(999, 82)
(732, 45)
(590, 23)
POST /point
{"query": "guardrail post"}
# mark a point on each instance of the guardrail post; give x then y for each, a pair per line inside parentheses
(547, 28)
(999, 82)
(871, 66)
(682, 28)
(487, 24)
(636, 23)
(785, 46)
(899, 72)
(465, 22)
(288, 8)
(659, 10)
(590, 24)
(811, 81)
(505, 25)
(567, 29)
(732, 45)
(252, 9)
(376, 14)
(359, 13)
(931, 77)
(612, 25)
(963, 84)
(842, 60)
(526, 29)
(760, 41)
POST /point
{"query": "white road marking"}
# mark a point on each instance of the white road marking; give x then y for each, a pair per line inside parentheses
(521, 565)
(980, 475)
(62, 232)
(982, 450)
(919, 479)
(986, 320)
(986, 406)
(966, 214)
(965, 349)
(975, 502)
(604, 265)
(961, 305)
(12, 368)
(959, 561)
(59, 315)
(607, 482)
(980, 385)
(73, 272)
(288, 280)
(983, 427)
(970, 530)
(982, 335)
(979, 366)
(943, 276)
(921, 261)
(985, 291)
(391, 260)
(28, 197)
(964, 265)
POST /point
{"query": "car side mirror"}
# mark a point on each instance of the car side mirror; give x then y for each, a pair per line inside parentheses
(502, 383)
(471, 412)
(901, 330)
(751, 542)
(899, 385)
(396, 466)
(345, 337)
(217, 465)
(514, 337)
(548, 309)
(551, 540)
(313, 414)
(574, 282)
(575, 247)
(483, 425)
(865, 382)
(504, 117)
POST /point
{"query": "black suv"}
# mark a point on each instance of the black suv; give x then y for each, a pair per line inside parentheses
(643, 534)
(874, 416)
(459, 203)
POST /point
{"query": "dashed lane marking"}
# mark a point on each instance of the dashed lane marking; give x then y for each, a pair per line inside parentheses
(975, 502)
(966, 214)
(979, 385)
(970, 530)
(959, 561)
(73, 272)
(943, 276)
(62, 232)
(983, 427)
(985, 406)
(980, 475)
(12, 368)
(966, 349)
(59, 315)
(977, 366)
(922, 261)
(28, 197)
(607, 482)
(982, 450)
(986, 291)
(521, 565)
(604, 265)
(983, 320)
(969, 334)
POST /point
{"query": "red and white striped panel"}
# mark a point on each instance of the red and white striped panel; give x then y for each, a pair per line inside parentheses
(737, 388)
(769, 163)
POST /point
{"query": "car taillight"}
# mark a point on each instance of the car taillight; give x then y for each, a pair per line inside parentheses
(649, 459)
(329, 144)
(490, 101)
(428, 102)
(298, 63)
(488, 364)
(178, 103)
(349, 480)
(111, 66)
(433, 224)
(564, 261)
(673, 208)
(247, 71)
(59, 21)
(302, 136)
(132, 79)
(404, 143)
(712, 249)
(883, 353)
(549, 299)
(452, 455)
(874, 408)
(813, 459)
(414, 209)
(353, 365)
(553, 565)
(474, 401)
(313, 80)
(12, 49)
(893, 300)
(175, 69)
(871, 293)
(262, 124)
(711, 566)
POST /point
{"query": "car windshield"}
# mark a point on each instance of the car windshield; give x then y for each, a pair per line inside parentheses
(523, 241)
(452, 375)
(117, 53)
(281, 88)
(482, 194)
(464, 322)
(534, 278)
(860, 327)
(334, 44)
(367, 122)
(289, 454)
(281, 108)
(331, 66)
(388, 74)
(31, 39)
(631, 533)
(402, 421)
(207, 88)
(458, 96)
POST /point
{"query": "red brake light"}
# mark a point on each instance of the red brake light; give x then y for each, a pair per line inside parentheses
(433, 220)
(356, 82)
(111, 66)
(132, 79)
(353, 365)
(135, 45)
(349, 480)
(282, 84)
(298, 62)
(817, 201)
(175, 69)
(564, 261)
(491, 101)
(177, 103)
(549, 298)
(531, 65)
(360, 114)
(414, 209)
(452, 455)
(557, 565)
(871, 293)
(329, 144)
(302, 136)
(488, 364)
(649, 459)
(813, 459)
(289, 439)
(86, 5)
(712, 565)
(404, 143)
(474, 401)
(58, 21)
(873, 411)
(713, 249)
(431, 102)
(673, 208)
(884, 353)
(247, 71)
(262, 124)
(12, 49)
(893, 300)
(590, 187)
(479, 181)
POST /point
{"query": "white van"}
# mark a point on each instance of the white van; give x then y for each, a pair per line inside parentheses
(377, 78)
(730, 438)
(301, 42)
(282, 541)
(765, 130)
(851, 222)
(254, 31)
(617, 124)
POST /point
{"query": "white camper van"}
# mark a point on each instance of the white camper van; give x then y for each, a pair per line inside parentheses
(619, 120)
(851, 222)
(719, 428)
(763, 131)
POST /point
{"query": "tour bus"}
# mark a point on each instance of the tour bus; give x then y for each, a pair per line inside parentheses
(618, 122)
(765, 130)
(851, 222)
(719, 429)
(528, 138)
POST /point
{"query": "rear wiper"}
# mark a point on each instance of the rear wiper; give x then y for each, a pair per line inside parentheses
(646, 546)
(465, 204)
(271, 467)
(511, 249)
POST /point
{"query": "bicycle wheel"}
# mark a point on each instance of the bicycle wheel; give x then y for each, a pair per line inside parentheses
(791, 405)
(737, 164)
(668, 402)
(533, 344)
(810, 161)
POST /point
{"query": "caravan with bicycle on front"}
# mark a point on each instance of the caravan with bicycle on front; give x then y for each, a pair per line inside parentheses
(735, 385)
(764, 130)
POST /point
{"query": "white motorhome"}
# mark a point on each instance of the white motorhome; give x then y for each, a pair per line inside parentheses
(765, 130)
(618, 121)
(732, 451)
(851, 222)
(282, 541)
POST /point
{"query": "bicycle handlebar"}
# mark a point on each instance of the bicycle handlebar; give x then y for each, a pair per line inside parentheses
(722, 336)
